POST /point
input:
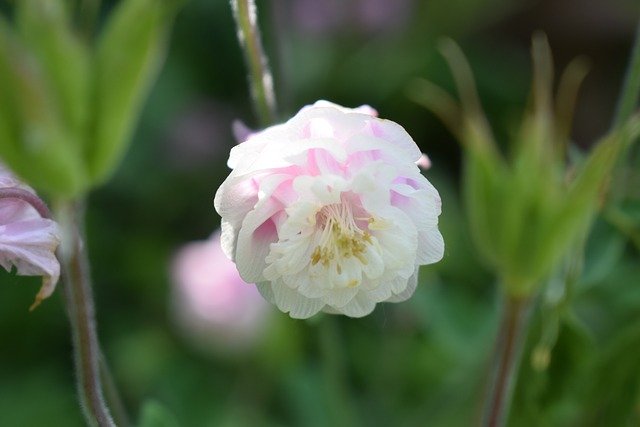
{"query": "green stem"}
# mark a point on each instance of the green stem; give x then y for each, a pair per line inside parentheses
(628, 100)
(81, 312)
(89, 12)
(260, 78)
(506, 360)
(112, 396)
(334, 370)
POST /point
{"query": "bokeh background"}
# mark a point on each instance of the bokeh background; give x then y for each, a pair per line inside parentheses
(419, 363)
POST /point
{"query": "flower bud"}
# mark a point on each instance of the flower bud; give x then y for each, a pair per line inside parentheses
(525, 209)
(212, 305)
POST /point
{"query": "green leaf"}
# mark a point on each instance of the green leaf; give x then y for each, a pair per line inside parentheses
(128, 57)
(154, 414)
(46, 28)
(34, 143)
(484, 180)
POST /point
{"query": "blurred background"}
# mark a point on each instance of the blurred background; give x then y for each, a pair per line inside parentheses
(422, 362)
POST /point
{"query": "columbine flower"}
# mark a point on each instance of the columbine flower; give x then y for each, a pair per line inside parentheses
(211, 302)
(27, 241)
(330, 212)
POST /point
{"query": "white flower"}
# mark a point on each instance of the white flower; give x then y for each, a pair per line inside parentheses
(329, 211)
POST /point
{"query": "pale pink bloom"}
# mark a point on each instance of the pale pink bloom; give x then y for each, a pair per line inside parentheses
(211, 302)
(329, 211)
(27, 241)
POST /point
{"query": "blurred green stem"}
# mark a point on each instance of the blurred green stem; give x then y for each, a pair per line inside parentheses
(112, 395)
(334, 370)
(260, 78)
(81, 312)
(506, 359)
(627, 104)
(628, 98)
(89, 12)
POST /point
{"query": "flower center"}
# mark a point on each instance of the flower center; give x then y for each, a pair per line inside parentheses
(341, 237)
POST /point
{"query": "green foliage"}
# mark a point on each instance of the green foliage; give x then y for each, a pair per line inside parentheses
(525, 209)
(67, 111)
(35, 141)
(154, 414)
(419, 363)
(122, 77)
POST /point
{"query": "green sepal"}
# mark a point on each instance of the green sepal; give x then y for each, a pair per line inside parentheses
(45, 27)
(128, 56)
(33, 141)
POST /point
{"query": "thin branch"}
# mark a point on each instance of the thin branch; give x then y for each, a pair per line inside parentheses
(81, 312)
(506, 359)
(260, 78)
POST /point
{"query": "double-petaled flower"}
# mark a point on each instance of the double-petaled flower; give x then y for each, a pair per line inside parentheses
(330, 212)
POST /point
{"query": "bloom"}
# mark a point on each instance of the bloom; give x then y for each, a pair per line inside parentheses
(27, 241)
(329, 211)
(211, 302)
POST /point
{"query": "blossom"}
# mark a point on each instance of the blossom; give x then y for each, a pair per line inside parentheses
(27, 240)
(330, 212)
(212, 304)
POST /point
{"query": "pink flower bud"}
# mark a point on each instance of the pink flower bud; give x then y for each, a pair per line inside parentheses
(329, 211)
(212, 303)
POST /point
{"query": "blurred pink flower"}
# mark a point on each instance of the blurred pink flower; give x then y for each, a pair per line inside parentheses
(329, 211)
(27, 241)
(211, 302)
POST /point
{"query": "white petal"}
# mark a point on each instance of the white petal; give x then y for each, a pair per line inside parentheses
(398, 136)
(381, 292)
(339, 297)
(408, 291)
(266, 290)
(292, 302)
(430, 247)
(228, 238)
(257, 233)
(359, 306)
(30, 246)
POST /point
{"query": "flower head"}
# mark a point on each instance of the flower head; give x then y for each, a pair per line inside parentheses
(329, 211)
(211, 302)
(27, 240)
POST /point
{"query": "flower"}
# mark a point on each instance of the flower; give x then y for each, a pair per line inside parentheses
(329, 211)
(27, 240)
(212, 304)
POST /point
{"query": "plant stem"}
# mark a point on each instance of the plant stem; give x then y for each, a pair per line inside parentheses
(628, 98)
(260, 78)
(506, 359)
(81, 312)
(112, 396)
(89, 12)
(339, 397)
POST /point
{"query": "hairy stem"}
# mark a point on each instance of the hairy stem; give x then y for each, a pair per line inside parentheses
(506, 359)
(81, 312)
(260, 78)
